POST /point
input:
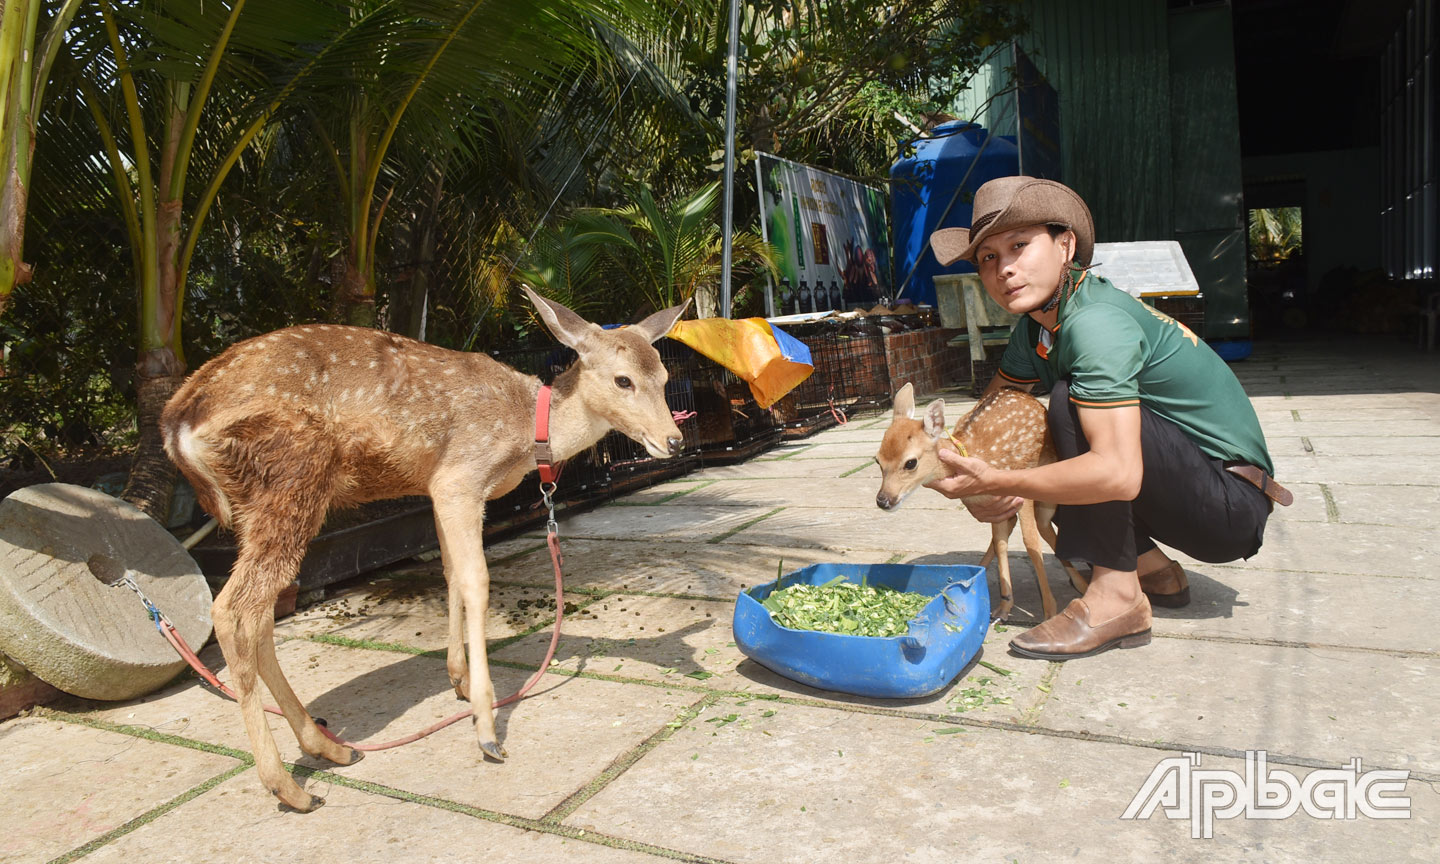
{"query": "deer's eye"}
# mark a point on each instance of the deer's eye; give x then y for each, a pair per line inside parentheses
(624, 383)
(911, 463)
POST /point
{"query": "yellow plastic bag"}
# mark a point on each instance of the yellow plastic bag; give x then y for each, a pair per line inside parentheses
(771, 361)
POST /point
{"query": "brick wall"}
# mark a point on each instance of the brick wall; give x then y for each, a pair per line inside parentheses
(922, 358)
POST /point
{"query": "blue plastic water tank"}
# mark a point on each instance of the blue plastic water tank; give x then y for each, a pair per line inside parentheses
(923, 187)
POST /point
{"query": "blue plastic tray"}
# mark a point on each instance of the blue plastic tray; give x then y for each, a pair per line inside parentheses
(919, 663)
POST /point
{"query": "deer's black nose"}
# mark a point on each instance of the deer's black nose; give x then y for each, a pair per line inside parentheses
(675, 444)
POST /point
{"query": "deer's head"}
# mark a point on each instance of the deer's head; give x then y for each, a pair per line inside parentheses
(909, 452)
(619, 377)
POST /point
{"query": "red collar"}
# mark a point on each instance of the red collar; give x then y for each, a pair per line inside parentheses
(548, 472)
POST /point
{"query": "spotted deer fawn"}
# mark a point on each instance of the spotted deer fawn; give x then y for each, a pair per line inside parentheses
(1007, 429)
(282, 428)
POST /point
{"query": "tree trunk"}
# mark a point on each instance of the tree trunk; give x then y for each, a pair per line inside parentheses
(410, 295)
(13, 270)
(355, 296)
(158, 375)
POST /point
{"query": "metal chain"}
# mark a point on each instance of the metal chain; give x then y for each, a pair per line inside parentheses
(128, 581)
(547, 492)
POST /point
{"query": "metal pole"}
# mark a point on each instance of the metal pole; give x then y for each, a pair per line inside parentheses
(729, 197)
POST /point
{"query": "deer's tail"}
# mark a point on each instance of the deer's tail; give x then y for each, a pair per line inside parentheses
(193, 455)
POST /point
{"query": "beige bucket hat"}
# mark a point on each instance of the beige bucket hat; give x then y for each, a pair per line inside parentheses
(1013, 202)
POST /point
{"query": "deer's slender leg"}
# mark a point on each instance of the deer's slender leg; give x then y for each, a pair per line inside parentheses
(312, 740)
(1031, 535)
(1000, 540)
(239, 613)
(989, 553)
(1044, 517)
(455, 640)
(459, 520)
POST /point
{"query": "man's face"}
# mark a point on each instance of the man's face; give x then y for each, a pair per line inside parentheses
(1021, 268)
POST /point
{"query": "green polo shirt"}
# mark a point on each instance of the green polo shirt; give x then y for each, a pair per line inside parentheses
(1118, 351)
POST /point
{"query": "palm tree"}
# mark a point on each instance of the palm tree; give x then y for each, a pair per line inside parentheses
(21, 96)
(172, 92)
(664, 255)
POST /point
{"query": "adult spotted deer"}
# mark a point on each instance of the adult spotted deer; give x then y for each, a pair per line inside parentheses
(282, 428)
(1007, 429)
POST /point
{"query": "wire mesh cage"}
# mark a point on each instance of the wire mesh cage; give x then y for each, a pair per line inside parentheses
(982, 371)
(851, 372)
(729, 425)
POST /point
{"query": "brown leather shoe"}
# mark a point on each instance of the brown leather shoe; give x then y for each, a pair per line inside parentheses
(1167, 586)
(1070, 634)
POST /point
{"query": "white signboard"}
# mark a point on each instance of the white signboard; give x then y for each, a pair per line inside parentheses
(1146, 268)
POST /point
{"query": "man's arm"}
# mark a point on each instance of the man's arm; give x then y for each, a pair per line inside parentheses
(1110, 471)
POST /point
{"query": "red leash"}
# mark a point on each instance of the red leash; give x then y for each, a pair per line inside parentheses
(548, 475)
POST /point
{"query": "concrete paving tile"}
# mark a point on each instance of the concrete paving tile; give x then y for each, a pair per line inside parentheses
(870, 427)
(662, 492)
(810, 784)
(1408, 447)
(1380, 416)
(361, 692)
(1282, 447)
(1321, 424)
(1310, 504)
(1354, 469)
(1343, 548)
(1411, 506)
(236, 822)
(665, 640)
(561, 736)
(717, 570)
(66, 784)
(798, 469)
(917, 530)
(855, 491)
(1321, 608)
(414, 611)
(841, 450)
(676, 521)
(1316, 703)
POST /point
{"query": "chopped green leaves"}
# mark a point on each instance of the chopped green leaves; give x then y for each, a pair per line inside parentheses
(844, 607)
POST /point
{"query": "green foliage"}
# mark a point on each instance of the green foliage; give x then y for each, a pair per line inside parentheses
(648, 255)
(597, 122)
(1275, 234)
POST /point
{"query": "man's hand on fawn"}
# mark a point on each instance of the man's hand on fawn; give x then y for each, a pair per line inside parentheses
(967, 478)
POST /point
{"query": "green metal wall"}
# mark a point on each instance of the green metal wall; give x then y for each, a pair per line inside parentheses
(1149, 130)
(1109, 60)
(1209, 180)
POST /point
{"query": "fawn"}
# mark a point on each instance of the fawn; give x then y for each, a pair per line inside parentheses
(281, 428)
(1007, 429)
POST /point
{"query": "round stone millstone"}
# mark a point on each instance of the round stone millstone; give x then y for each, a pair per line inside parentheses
(71, 630)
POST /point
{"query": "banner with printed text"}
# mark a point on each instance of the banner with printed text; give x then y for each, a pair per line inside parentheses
(832, 234)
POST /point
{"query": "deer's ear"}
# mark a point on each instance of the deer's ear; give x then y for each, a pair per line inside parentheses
(569, 328)
(935, 419)
(659, 324)
(904, 402)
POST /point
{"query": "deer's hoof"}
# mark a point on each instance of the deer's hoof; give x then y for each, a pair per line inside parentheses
(314, 803)
(462, 690)
(493, 750)
(353, 757)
